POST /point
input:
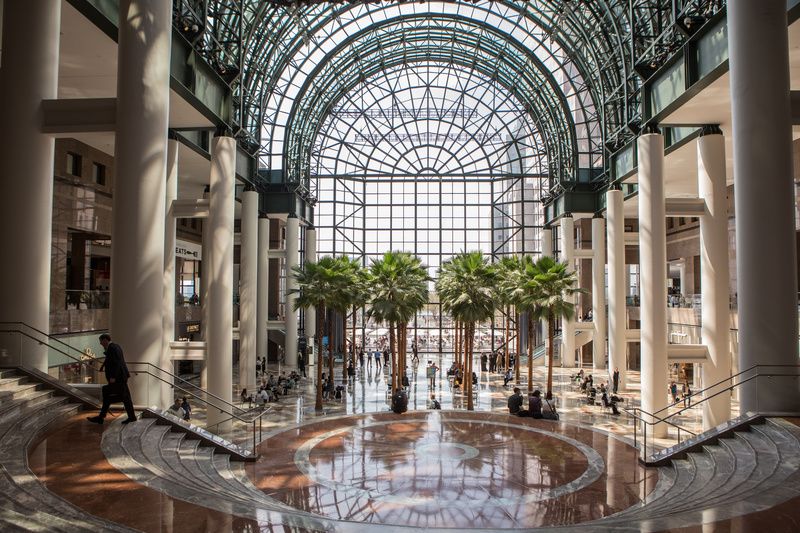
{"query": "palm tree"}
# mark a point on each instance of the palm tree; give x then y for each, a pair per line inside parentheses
(508, 271)
(466, 290)
(399, 285)
(316, 283)
(350, 293)
(547, 286)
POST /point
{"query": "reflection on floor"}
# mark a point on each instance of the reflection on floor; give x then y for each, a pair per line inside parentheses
(451, 469)
(368, 467)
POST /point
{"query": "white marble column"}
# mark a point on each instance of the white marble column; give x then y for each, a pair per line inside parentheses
(653, 264)
(766, 255)
(169, 288)
(248, 290)
(219, 333)
(292, 258)
(137, 237)
(714, 272)
(29, 74)
(568, 256)
(617, 323)
(599, 293)
(311, 256)
(205, 307)
(263, 287)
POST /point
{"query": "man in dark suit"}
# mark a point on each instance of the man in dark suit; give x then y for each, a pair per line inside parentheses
(117, 376)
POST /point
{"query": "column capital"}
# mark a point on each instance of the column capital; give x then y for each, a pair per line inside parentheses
(710, 129)
(651, 128)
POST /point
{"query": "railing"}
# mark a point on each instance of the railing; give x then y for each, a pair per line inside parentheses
(17, 338)
(80, 299)
(644, 422)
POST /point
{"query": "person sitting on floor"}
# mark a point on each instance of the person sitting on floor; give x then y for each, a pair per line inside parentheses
(175, 409)
(433, 403)
(246, 398)
(515, 402)
(535, 404)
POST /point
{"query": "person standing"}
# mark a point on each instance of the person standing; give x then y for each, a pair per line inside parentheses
(615, 380)
(117, 376)
(301, 363)
(484, 360)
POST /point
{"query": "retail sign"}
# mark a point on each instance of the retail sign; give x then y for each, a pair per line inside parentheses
(188, 250)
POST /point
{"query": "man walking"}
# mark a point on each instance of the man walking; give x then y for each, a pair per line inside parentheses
(117, 376)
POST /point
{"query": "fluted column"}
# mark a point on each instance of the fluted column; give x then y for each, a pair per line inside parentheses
(263, 287)
(137, 237)
(169, 294)
(29, 74)
(219, 332)
(292, 258)
(714, 272)
(248, 290)
(568, 255)
(599, 293)
(653, 261)
(617, 340)
(766, 255)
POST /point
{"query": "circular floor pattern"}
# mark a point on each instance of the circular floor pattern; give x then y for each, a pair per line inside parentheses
(450, 469)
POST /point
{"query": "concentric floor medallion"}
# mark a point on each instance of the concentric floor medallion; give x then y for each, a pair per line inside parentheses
(446, 469)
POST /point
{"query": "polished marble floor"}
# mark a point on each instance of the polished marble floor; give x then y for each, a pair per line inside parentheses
(361, 464)
(451, 469)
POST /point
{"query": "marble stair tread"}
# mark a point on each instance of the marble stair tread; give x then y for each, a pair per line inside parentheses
(54, 512)
(12, 382)
(11, 409)
(685, 473)
(20, 392)
(725, 470)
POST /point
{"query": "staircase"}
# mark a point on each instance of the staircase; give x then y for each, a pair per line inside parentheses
(748, 470)
(28, 409)
(178, 465)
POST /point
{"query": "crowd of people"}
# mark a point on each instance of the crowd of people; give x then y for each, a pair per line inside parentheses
(271, 388)
(538, 407)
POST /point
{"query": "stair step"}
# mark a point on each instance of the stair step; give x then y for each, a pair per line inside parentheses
(11, 409)
(21, 391)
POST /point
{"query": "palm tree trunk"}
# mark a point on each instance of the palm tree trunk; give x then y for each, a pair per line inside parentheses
(318, 362)
(530, 353)
(330, 343)
(394, 356)
(519, 345)
(456, 344)
(470, 346)
(344, 343)
(550, 334)
(508, 318)
(353, 358)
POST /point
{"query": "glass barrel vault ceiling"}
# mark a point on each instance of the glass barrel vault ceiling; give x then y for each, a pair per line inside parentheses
(573, 66)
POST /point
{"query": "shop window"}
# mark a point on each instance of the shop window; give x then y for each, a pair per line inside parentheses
(74, 162)
(99, 174)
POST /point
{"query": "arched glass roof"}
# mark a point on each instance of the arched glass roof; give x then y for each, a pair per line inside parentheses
(576, 65)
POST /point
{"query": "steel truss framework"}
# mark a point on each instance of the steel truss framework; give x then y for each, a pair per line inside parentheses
(261, 47)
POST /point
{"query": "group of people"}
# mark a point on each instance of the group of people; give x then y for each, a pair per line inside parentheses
(457, 373)
(607, 393)
(686, 393)
(538, 407)
(270, 389)
(495, 361)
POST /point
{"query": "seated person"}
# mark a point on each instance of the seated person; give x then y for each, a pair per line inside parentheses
(515, 402)
(400, 401)
(244, 397)
(609, 404)
(549, 407)
(474, 378)
(433, 403)
(175, 409)
(508, 377)
(535, 404)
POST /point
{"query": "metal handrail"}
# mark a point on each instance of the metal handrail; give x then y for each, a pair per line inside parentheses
(91, 360)
(83, 359)
(720, 382)
(666, 420)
